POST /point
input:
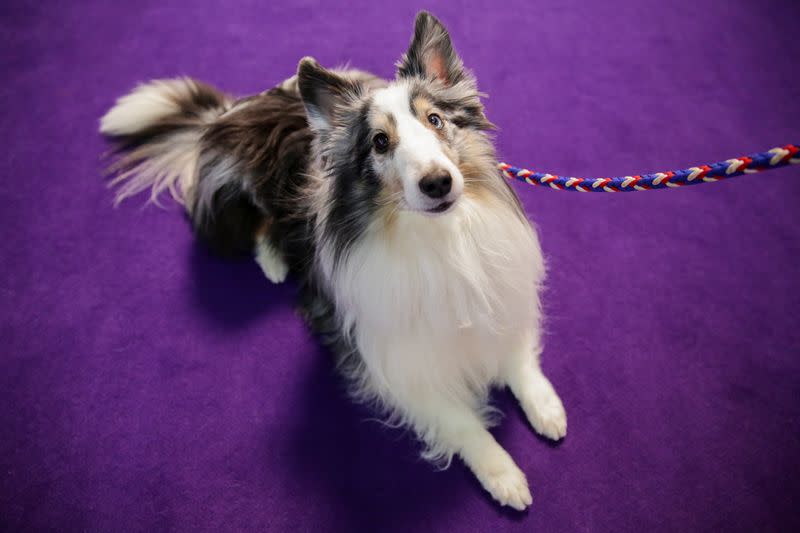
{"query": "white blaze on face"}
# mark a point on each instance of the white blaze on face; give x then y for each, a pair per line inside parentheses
(417, 152)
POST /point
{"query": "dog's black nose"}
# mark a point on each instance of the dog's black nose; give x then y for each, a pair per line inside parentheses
(436, 185)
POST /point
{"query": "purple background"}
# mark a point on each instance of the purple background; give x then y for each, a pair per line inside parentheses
(147, 385)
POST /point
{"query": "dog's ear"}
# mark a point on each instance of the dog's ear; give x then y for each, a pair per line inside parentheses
(323, 92)
(431, 53)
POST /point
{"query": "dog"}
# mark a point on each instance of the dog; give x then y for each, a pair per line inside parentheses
(416, 263)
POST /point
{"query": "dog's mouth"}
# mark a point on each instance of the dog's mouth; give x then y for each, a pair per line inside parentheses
(435, 211)
(441, 208)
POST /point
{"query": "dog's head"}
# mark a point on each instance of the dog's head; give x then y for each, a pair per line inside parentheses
(416, 144)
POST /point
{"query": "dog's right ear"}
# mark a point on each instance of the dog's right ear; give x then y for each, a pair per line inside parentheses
(323, 92)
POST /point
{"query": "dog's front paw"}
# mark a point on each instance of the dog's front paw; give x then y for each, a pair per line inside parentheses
(547, 416)
(505, 482)
(271, 263)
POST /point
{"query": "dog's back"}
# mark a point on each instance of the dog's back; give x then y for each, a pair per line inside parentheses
(233, 163)
(250, 173)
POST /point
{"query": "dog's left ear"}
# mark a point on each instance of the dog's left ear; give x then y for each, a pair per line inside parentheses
(431, 54)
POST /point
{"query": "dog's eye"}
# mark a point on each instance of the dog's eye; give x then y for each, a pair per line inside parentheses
(381, 142)
(436, 121)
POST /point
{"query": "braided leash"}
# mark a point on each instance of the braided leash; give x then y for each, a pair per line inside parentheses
(777, 157)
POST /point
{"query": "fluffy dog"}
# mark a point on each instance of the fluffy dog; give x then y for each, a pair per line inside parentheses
(382, 198)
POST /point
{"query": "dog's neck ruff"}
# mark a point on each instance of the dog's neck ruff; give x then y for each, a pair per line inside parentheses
(475, 266)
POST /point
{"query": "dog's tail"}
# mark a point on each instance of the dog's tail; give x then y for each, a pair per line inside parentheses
(158, 127)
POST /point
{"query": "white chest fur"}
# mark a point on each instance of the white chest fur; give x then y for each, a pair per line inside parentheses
(434, 302)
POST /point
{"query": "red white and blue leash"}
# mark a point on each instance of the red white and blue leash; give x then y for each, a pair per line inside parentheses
(777, 157)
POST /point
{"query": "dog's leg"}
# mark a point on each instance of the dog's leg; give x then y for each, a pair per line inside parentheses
(458, 429)
(534, 391)
(269, 259)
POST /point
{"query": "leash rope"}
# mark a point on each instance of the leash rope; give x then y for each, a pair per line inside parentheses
(777, 157)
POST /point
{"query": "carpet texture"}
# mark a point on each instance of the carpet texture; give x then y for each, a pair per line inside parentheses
(149, 386)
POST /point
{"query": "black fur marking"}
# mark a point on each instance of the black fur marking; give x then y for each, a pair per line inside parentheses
(229, 231)
(474, 121)
(355, 187)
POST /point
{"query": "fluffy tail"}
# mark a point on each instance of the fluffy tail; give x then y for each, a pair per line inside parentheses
(158, 127)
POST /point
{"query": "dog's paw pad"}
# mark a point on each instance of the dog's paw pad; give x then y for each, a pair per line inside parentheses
(548, 418)
(508, 486)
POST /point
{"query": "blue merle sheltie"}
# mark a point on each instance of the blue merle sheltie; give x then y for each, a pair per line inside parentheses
(416, 263)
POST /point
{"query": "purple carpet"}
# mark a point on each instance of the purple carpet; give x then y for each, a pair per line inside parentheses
(149, 386)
